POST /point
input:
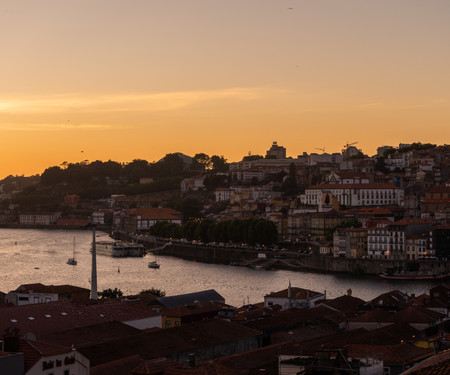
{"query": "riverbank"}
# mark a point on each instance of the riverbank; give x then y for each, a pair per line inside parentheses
(291, 260)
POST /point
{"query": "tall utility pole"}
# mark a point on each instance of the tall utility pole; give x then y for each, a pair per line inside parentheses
(94, 268)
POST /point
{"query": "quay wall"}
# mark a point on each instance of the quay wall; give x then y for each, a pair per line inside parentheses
(292, 260)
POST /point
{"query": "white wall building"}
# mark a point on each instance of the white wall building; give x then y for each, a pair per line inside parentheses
(39, 219)
(293, 297)
(355, 195)
(378, 241)
(31, 293)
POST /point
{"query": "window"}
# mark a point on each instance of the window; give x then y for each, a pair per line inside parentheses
(167, 324)
(66, 372)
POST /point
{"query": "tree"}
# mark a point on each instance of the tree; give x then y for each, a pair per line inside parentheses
(203, 160)
(190, 207)
(154, 291)
(110, 293)
(289, 185)
(215, 181)
(219, 163)
(171, 165)
(52, 176)
(252, 157)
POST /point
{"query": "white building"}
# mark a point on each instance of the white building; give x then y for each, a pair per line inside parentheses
(341, 177)
(31, 293)
(98, 218)
(223, 194)
(39, 219)
(416, 246)
(293, 297)
(192, 183)
(52, 359)
(355, 195)
(378, 241)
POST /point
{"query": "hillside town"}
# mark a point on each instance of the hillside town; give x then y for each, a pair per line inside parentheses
(394, 205)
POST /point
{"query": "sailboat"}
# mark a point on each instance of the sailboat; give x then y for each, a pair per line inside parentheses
(72, 261)
(153, 264)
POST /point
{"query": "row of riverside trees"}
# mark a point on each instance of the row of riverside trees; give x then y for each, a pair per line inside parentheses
(251, 231)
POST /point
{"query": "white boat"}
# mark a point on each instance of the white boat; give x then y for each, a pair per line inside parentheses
(119, 249)
(73, 261)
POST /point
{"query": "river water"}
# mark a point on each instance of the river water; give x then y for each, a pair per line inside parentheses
(39, 256)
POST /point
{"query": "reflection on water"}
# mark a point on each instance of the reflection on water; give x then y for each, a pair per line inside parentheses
(48, 250)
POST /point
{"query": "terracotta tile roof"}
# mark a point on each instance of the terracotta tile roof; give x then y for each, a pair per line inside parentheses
(97, 333)
(397, 355)
(120, 367)
(188, 298)
(256, 359)
(153, 367)
(156, 213)
(34, 350)
(296, 293)
(376, 315)
(195, 308)
(411, 221)
(259, 313)
(342, 303)
(417, 314)
(169, 342)
(45, 318)
(302, 334)
(390, 335)
(394, 298)
(443, 188)
(438, 364)
(53, 289)
(332, 342)
(288, 319)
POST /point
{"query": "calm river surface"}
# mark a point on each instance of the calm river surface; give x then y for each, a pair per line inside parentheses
(39, 256)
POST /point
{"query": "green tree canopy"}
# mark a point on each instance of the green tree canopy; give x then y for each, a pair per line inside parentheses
(110, 293)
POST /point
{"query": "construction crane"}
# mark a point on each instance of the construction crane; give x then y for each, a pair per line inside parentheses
(349, 144)
(321, 149)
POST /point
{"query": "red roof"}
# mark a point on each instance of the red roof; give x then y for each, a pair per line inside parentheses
(156, 213)
(296, 293)
(45, 318)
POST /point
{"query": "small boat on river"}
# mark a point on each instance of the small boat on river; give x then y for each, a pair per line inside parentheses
(153, 264)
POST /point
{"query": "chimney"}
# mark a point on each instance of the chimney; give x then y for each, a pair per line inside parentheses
(94, 268)
(11, 339)
(289, 290)
(191, 360)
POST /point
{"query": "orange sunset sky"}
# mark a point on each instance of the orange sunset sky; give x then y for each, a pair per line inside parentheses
(120, 80)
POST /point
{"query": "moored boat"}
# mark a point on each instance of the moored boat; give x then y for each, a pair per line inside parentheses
(73, 261)
(153, 264)
(413, 276)
(119, 249)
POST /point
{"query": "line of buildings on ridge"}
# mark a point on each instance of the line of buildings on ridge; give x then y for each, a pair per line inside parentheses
(404, 212)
